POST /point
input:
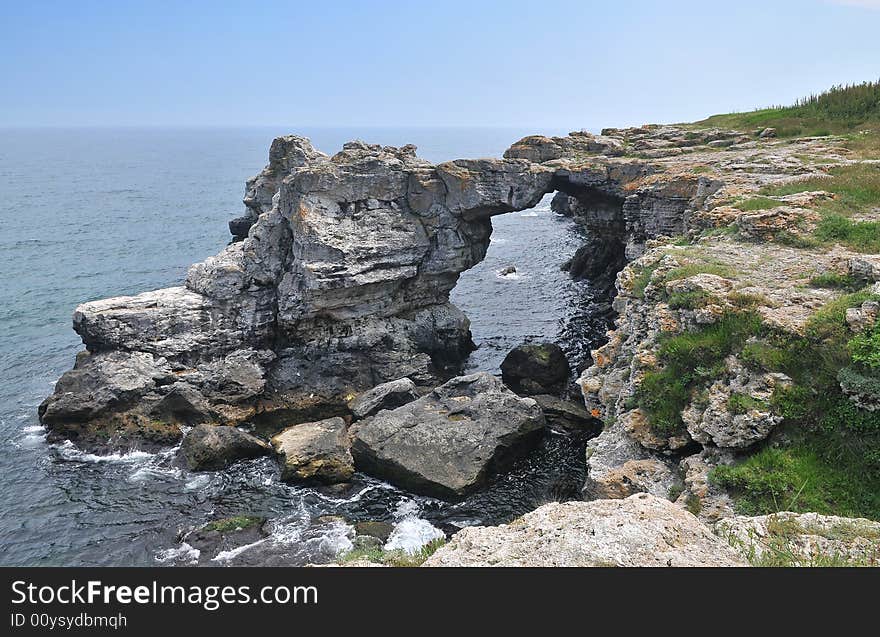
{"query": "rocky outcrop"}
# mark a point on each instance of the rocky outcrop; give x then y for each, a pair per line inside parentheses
(341, 283)
(803, 539)
(536, 368)
(449, 442)
(385, 396)
(641, 530)
(210, 447)
(315, 451)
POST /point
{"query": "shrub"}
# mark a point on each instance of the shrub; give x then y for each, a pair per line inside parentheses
(865, 348)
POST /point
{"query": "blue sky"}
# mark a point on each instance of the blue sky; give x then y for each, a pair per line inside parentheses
(546, 63)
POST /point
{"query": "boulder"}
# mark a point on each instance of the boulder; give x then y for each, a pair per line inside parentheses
(315, 451)
(385, 396)
(449, 442)
(567, 414)
(535, 368)
(641, 530)
(211, 447)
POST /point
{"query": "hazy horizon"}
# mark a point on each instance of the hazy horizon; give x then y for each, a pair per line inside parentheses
(558, 64)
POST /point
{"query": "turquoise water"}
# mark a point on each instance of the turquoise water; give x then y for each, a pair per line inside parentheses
(92, 213)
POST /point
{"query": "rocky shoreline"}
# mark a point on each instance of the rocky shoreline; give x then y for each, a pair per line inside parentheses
(326, 328)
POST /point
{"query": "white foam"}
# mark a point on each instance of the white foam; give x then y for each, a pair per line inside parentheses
(225, 556)
(407, 507)
(69, 452)
(354, 498)
(149, 472)
(197, 482)
(411, 534)
(182, 553)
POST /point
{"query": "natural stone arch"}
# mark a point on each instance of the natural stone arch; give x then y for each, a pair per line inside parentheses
(342, 282)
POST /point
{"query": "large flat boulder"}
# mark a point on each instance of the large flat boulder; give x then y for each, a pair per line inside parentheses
(315, 452)
(449, 442)
(642, 530)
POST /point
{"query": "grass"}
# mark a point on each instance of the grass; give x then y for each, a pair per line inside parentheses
(396, 558)
(798, 478)
(862, 236)
(641, 281)
(689, 362)
(236, 523)
(854, 186)
(743, 404)
(689, 300)
(856, 190)
(840, 110)
(835, 281)
(757, 203)
(830, 460)
(775, 549)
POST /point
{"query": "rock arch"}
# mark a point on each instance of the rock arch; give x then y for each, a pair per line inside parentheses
(342, 282)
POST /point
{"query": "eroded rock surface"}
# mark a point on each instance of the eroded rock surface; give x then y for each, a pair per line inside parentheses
(803, 539)
(315, 451)
(641, 530)
(385, 396)
(449, 442)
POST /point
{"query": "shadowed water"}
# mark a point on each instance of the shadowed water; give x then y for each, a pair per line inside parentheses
(87, 214)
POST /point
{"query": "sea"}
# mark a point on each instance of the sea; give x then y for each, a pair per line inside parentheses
(91, 213)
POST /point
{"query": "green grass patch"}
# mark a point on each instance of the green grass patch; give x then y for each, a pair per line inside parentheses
(835, 281)
(689, 300)
(862, 236)
(689, 362)
(854, 186)
(865, 348)
(830, 462)
(743, 404)
(840, 110)
(757, 203)
(236, 523)
(641, 281)
(798, 478)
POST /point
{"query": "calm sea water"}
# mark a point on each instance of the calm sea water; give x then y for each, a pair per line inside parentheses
(92, 213)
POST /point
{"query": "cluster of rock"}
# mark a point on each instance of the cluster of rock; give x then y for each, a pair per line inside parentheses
(446, 443)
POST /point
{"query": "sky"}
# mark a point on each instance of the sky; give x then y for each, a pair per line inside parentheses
(544, 63)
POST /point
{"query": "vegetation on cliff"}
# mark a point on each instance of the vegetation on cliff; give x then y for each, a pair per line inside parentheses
(826, 456)
(840, 110)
